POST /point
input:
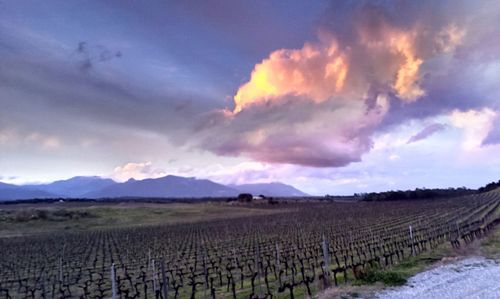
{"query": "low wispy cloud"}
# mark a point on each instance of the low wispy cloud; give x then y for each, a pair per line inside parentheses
(476, 125)
(14, 138)
(426, 132)
(493, 136)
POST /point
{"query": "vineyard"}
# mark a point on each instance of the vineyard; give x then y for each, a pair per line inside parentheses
(293, 252)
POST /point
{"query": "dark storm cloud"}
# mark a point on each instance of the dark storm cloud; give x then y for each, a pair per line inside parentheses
(45, 62)
(49, 93)
(295, 131)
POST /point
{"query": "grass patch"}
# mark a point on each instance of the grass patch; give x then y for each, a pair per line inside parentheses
(490, 247)
(47, 215)
(388, 277)
(398, 274)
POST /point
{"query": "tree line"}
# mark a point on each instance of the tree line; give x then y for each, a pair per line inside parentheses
(424, 193)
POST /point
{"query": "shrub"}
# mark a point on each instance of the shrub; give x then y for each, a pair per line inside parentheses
(42, 214)
(271, 201)
(389, 277)
(245, 197)
(22, 216)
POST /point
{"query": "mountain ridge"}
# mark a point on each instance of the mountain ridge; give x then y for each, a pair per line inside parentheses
(95, 187)
(73, 187)
(10, 192)
(167, 186)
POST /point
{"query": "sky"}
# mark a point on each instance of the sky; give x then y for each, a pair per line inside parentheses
(333, 97)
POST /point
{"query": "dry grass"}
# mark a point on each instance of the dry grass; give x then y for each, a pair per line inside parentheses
(45, 218)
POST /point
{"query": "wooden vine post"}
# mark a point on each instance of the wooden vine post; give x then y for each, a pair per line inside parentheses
(412, 243)
(325, 257)
(165, 279)
(113, 281)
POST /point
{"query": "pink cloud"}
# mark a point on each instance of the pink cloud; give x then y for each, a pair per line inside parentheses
(138, 171)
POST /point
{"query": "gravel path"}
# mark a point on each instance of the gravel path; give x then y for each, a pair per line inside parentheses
(474, 277)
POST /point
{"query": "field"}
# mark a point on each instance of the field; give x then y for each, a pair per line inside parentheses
(219, 250)
(30, 219)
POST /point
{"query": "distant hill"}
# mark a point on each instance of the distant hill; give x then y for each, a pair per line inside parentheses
(13, 192)
(74, 187)
(168, 186)
(94, 187)
(269, 189)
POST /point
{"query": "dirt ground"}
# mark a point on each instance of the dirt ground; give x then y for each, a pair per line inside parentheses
(473, 277)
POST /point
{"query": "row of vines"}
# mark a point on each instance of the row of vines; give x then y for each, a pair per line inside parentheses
(289, 254)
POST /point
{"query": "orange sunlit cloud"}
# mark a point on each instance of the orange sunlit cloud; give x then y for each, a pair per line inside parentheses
(403, 67)
(336, 92)
(403, 44)
(317, 71)
(407, 76)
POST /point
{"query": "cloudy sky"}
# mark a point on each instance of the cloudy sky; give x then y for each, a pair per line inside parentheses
(330, 96)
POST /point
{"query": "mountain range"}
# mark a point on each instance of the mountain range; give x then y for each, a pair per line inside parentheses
(168, 186)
